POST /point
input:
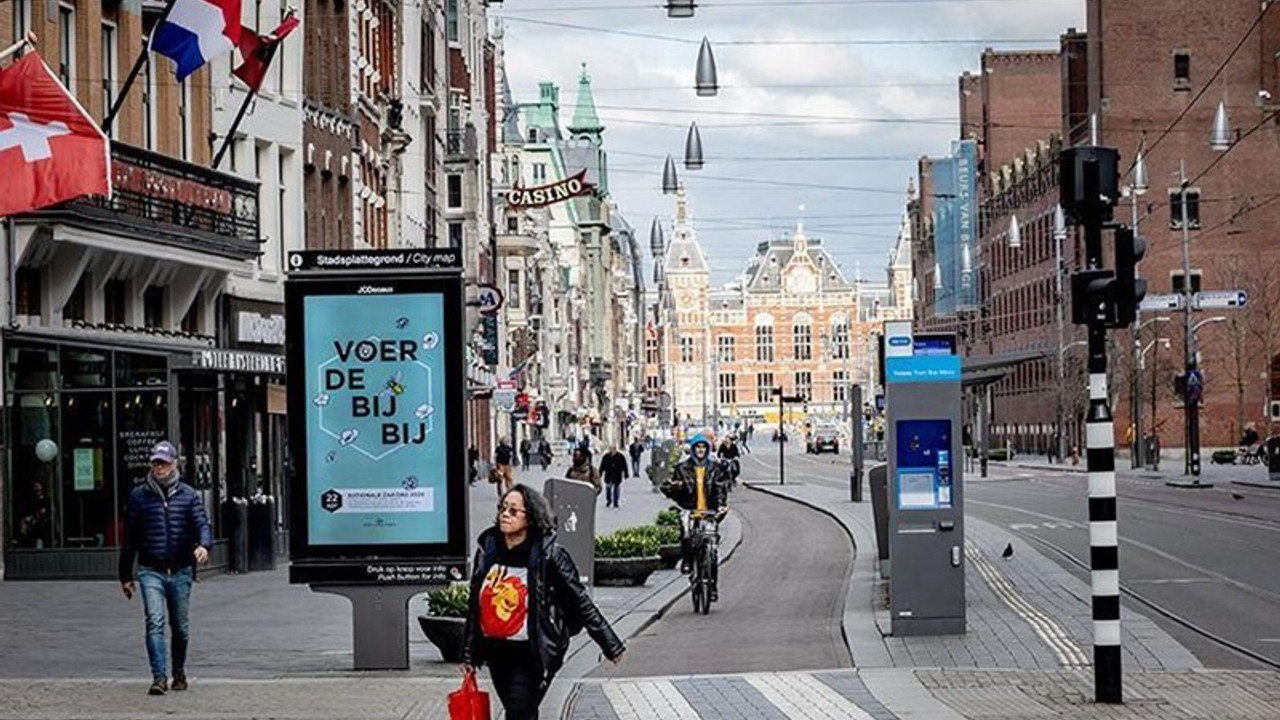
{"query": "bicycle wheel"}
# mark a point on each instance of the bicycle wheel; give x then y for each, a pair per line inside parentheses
(699, 592)
(704, 576)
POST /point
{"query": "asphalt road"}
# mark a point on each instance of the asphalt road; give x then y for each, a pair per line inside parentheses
(781, 601)
(1205, 556)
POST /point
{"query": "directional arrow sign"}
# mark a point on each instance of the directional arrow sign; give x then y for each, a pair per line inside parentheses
(1219, 299)
(1161, 302)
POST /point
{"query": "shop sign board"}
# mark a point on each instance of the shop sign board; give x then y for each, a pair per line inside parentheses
(376, 426)
(535, 197)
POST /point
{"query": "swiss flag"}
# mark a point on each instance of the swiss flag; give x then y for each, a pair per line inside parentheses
(258, 50)
(50, 149)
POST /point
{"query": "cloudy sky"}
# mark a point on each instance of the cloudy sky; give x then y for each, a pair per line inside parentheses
(823, 103)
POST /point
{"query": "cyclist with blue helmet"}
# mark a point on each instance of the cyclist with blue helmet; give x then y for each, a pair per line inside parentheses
(699, 485)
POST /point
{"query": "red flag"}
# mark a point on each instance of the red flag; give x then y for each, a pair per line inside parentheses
(50, 149)
(257, 51)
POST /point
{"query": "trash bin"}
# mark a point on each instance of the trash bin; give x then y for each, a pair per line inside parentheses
(1273, 457)
(262, 535)
(878, 479)
(235, 522)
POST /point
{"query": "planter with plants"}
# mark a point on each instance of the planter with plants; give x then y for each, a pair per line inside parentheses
(626, 557)
(667, 529)
(446, 619)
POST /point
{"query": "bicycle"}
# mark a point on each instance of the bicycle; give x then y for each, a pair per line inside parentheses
(704, 535)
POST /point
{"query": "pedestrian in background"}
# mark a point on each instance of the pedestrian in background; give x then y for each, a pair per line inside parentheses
(544, 453)
(502, 459)
(636, 450)
(167, 531)
(583, 470)
(526, 448)
(526, 602)
(473, 464)
(613, 466)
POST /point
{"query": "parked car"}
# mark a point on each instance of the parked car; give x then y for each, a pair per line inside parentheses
(822, 439)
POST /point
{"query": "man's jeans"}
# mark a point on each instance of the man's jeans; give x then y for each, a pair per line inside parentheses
(612, 493)
(166, 594)
(635, 466)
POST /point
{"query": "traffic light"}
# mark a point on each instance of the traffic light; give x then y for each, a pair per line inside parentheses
(1091, 302)
(1128, 289)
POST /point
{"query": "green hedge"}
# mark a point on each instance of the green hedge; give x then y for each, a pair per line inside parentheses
(668, 518)
(628, 543)
(449, 601)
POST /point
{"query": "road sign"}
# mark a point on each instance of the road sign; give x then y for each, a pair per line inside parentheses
(1219, 299)
(504, 395)
(1156, 303)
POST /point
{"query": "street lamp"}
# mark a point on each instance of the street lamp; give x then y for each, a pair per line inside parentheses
(670, 182)
(1135, 190)
(680, 8)
(705, 82)
(1220, 140)
(693, 148)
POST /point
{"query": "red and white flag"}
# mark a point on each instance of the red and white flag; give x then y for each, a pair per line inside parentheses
(50, 149)
(258, 50)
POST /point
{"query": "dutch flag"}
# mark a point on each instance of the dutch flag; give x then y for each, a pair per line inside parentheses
(197, 31)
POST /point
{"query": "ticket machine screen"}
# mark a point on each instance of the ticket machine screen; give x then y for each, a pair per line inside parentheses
(924, 465)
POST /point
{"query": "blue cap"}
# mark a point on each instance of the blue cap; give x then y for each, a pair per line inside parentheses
(699, 438)
(164, 451)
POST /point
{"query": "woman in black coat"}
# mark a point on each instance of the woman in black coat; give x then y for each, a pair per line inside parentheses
(526, 602)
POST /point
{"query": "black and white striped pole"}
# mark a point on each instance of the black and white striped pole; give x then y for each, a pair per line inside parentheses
(1089, 188)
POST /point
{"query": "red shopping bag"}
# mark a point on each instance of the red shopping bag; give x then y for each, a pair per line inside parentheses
(469, 702)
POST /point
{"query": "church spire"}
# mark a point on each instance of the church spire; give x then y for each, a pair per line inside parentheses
(800, 241)
(682, 207)
(586, 123)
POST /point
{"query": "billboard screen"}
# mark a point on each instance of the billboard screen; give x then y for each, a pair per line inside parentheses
(376, 422)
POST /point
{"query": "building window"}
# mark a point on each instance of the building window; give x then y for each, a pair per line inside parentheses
(21, 19)
(1181, 70)
(513, 289)
(764, 338)
(764, 387)
(840, 340)
(113, 302)
(804, 385)
(184, 119)
(153, 307)
(1176, 280)
(67, 45)
(651, 355)
(513, 224)
(27, 288)
(726, 346)
(539, 172)
(1193, 209)
(451, 20)
(453, 185)
(686, 349)
(728, 385)
(838, 384)
(109, 51)
(455, 235)
(802, 337)
(653, 384)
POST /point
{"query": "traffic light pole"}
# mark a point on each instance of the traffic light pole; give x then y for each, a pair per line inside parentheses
(1088, 189)
(1190, 398)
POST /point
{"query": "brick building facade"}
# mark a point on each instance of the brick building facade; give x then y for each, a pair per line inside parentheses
(1146, 95)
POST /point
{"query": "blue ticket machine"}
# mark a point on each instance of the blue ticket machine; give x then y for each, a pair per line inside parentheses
(926, 497)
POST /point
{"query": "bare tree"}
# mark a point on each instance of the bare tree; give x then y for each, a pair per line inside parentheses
(1235, 270)
(1263, 286)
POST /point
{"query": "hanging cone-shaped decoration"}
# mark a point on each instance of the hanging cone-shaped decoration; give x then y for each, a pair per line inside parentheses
(1015, 233)
(1059, 223)
(657, 243)
(1221, 139)
(680, 8)
(1140, 185)
(693, 148)
(705, 81)
(669, 180)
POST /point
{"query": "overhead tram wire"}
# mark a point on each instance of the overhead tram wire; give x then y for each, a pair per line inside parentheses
(767, 4)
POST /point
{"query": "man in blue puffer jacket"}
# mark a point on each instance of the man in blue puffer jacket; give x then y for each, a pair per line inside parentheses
(166, 529)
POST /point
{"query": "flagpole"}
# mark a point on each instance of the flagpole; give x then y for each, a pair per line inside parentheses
(248, 98)
(30, 39)
(144, 57)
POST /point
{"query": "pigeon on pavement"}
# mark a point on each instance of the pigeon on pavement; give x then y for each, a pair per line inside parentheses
(1008, 551)
(1236, 496)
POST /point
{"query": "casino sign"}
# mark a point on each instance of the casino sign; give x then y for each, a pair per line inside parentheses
(550, 194)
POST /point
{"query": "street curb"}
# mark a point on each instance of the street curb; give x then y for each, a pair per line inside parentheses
(1265, 484)
(648, 610)
(847, 617)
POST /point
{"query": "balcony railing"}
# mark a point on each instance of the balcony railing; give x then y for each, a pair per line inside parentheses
(172, 202)
(458, 146)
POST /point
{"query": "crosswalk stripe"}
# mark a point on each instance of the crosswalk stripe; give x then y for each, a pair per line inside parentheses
(637, 700)
(803, 697)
